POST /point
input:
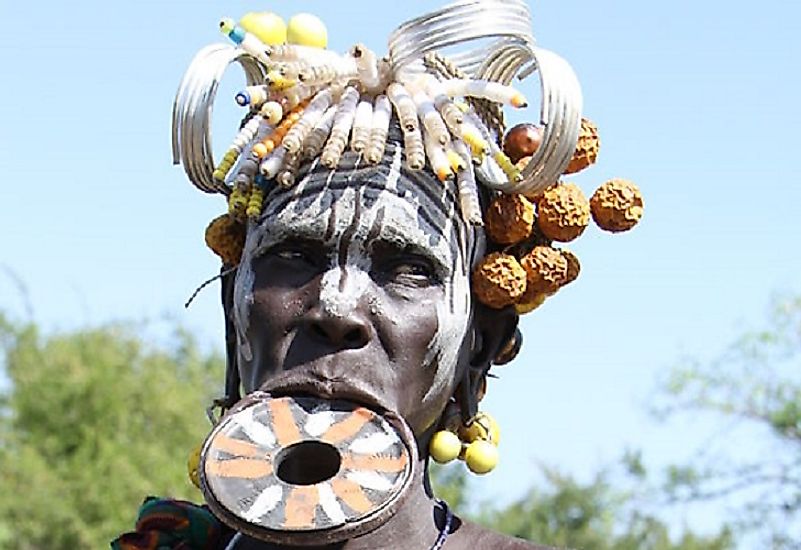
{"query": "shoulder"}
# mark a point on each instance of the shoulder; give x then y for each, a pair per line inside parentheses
(473, 536)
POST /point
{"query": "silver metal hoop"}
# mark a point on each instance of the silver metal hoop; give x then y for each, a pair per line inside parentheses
(193, 107)
(513, 54)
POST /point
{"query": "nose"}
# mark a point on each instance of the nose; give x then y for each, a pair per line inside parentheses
(340, 332)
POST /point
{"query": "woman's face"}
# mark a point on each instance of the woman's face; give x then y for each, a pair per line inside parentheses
(360, 290)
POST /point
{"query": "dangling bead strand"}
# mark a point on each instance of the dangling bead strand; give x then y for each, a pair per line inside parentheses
(289, 170)
(361, 125)
(317, 137)
(379, 129)
(484, 89)
(343, 121)
(271, 165)
(469, 204)
(437, 157)
(311, 115)
(432, 121)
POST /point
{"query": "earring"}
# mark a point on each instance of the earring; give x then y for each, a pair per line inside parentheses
(475, 442)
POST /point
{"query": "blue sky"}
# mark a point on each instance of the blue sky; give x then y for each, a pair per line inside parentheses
(695, 101)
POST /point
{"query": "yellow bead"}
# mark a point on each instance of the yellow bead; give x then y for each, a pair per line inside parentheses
(266, 26)
(193, 466)
(260, 150)
(218, 174)
(306, 29)
(483, 427)
(481, 457)
(444, 446)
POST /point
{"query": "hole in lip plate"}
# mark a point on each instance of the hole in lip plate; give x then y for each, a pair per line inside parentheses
(307, 463)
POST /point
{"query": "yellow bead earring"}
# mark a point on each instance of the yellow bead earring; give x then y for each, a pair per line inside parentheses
(475, 442)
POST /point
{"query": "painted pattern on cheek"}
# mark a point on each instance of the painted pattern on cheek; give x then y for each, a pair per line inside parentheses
(353, 208)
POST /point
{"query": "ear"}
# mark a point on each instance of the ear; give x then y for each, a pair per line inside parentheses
(492, 331)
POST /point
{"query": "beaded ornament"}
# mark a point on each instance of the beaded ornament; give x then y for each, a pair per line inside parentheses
(305, 101)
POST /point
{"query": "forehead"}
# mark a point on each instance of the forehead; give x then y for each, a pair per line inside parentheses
(366, 205)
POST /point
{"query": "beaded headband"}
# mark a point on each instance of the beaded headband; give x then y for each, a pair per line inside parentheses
(306, 102)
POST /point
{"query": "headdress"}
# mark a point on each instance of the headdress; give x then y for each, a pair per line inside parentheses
(446, 79)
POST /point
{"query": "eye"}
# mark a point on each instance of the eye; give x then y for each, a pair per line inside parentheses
(411, 271)
(291, 253)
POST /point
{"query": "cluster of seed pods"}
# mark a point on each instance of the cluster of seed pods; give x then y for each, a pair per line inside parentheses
(317, 103)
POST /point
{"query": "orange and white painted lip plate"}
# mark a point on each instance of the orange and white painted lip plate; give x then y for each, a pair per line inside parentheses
(239, 463)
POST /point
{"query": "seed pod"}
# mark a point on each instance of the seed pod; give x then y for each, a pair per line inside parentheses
(546, 269)
(573, 266)
(563, 212)
(587, 147)
(616, 205)
(499, 280)
(509, 218)
(226, 238)
(530, 300)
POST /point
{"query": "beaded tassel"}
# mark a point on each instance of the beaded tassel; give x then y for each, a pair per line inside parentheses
(484, 89)
(343, 120)
(271, 165)
(379, 128)
(245, 40)
(432, 121)
(404, 106)
(500, 158)
(289, 171)
(412, 136)
(268, 144)
(323, 73)
(316, 140)
(362, 122)
(469, 204)
(238, 201)
(437, 157)
(311, 115)
(366, 66)
(414, 149)
(255, 202)
(252, 95)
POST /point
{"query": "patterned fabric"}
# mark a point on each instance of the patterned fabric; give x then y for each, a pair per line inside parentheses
(173, 525)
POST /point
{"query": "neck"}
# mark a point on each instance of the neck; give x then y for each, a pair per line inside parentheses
(415, 525)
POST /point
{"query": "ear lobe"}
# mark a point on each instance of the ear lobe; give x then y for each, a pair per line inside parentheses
(494, 329)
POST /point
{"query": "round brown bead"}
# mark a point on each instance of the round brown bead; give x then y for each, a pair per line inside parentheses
(546, 269)
(509, 218)
(587, 147)
(563, 212)
(617, 205)
(499, 280)
(522, 141)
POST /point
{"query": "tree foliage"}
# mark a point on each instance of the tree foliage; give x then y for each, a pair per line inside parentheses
(92, 421)
(753, 391)
(564, 513)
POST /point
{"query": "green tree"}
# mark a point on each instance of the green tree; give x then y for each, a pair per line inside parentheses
(92, 421)
(564, 513)
(753, 465)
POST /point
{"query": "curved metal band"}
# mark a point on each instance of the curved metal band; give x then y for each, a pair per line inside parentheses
(460, 23)
(512, 55)
(193, 106)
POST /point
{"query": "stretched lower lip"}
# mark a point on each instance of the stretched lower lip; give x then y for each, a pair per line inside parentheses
(328, 393)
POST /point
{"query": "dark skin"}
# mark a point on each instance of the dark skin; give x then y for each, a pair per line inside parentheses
(368, 338)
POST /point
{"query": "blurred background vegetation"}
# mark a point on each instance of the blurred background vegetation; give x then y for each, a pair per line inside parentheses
(93, 420)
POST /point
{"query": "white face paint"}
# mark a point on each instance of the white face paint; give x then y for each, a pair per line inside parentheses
(352, 221)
